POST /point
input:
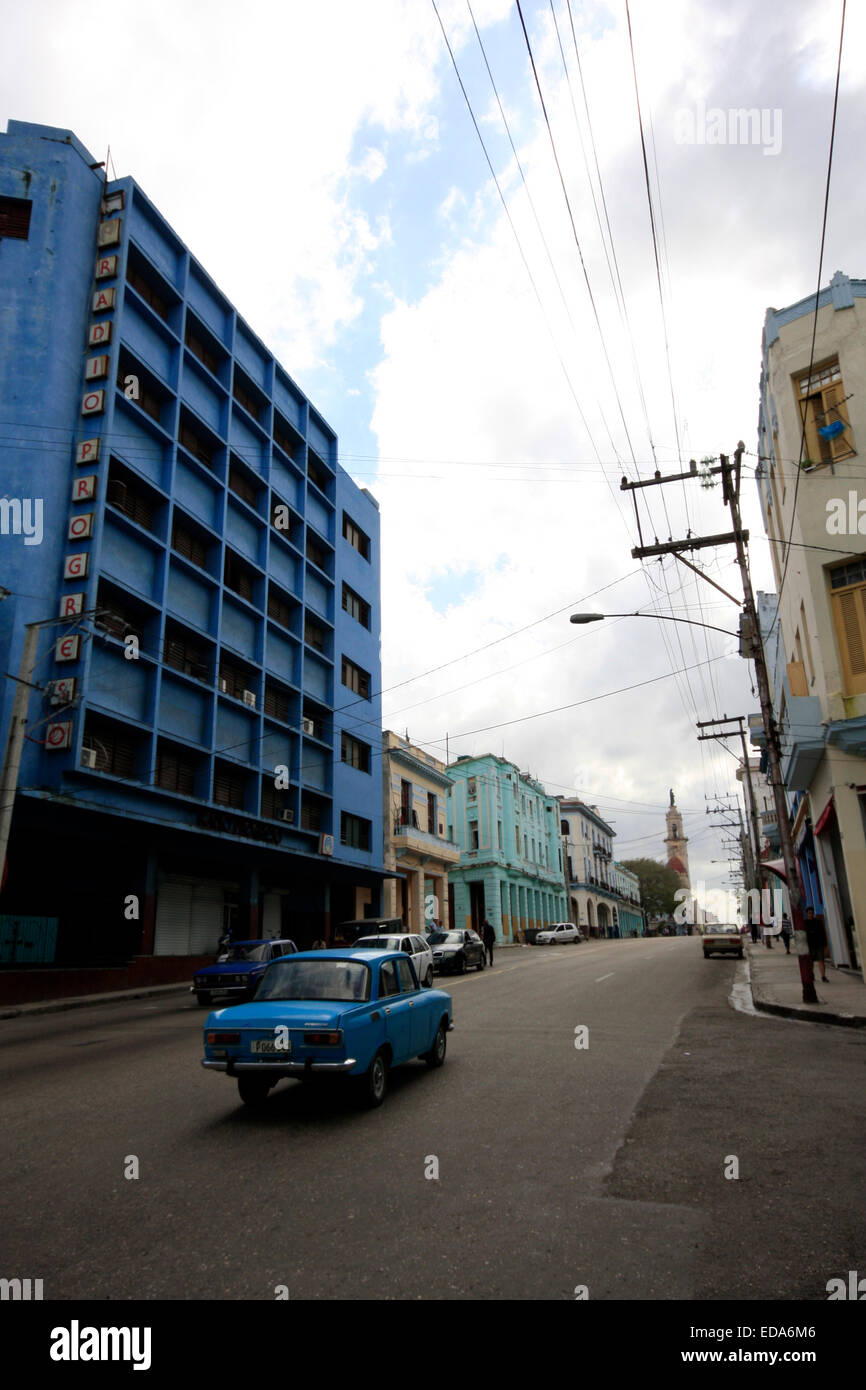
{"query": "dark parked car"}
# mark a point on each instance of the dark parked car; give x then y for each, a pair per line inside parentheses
(455, 951)
(238, 970)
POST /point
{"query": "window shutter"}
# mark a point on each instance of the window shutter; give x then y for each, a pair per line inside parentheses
(836, 408)
(849, 613)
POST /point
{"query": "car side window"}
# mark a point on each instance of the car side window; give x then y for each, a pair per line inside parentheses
(388, 979)
(405, 976)
(406, 945)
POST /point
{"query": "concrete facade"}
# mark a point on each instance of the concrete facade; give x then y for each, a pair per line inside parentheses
(418, 849)
(507, 830)
(814, 495)
(196, 757)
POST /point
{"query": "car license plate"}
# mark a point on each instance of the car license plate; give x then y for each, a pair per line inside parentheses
(269, 1047)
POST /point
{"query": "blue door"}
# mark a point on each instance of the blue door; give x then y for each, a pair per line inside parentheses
(397, 1010)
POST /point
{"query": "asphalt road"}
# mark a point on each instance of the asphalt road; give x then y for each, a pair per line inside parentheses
(601, 1166)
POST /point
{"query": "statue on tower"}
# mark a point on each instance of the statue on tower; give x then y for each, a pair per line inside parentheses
(672, 796)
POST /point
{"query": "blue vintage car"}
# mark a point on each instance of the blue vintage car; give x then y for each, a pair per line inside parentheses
(344, 1013)
(238, 970)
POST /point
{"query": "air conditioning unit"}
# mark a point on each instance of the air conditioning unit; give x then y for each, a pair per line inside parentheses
(288, 817)
(88, 757)
(326, 844)
(308, 727)
(224, 685)
(250, 698)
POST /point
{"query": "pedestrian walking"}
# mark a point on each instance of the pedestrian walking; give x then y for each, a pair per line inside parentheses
(816, 935)
(754, 926)
(787, 932)
(488, 936)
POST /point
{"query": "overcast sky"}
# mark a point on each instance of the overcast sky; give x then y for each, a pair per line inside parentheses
(321, 162)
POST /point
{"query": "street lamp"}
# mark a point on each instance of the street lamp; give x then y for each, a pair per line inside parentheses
(666, 617)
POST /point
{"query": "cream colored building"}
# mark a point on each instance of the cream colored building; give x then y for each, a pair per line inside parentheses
(811, 442)
(417, 848)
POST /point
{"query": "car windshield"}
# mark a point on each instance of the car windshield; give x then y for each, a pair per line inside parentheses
(374, 943)
(721, 931)
(246, 952)
(341, 980)
(450, 938)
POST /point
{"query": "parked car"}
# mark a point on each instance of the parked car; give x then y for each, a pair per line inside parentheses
(415, 946)
(724, 938)
(238, 970)
(455, 951)
(349, 932)
(338, 1013)
(558, 933)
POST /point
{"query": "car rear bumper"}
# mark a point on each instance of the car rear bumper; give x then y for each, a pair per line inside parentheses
(223, 989)
(282, 1068)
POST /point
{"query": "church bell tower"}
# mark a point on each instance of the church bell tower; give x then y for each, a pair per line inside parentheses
(676, 844)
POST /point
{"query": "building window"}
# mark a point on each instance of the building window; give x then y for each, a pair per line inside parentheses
(148, 400)
(314, 634)
(235, 681)
(354, 831)
(473, 834)
(354, 752)
(311, 814)
(244, 396)
(355, 536)
(194, 444)
(228, 786)
(15, 218)
(182, 653)
(188, 543)
(175, 771)
(284, 442)
(115, 748)
(237, 577)
(355, 606)
(279, 608)
(316, 552)
(150, 295)
(128, 497)
(821, 398)
(499, 833)
(276, 702)
(200, 350)
(471, 787)
(355, 678)
(317, 474)
(274, 802)
(848, 602)
(431, 813)
(242, 486)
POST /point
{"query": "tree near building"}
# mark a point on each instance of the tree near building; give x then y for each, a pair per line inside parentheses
(658, 884)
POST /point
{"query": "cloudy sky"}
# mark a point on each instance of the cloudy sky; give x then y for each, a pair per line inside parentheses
(493, 374)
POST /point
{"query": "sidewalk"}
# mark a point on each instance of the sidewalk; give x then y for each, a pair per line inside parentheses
(81, 1001)
(777, 988)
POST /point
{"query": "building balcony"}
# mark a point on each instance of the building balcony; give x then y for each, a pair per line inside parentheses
(413, 838)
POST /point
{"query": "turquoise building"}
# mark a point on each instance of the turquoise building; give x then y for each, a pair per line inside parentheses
(507, 829)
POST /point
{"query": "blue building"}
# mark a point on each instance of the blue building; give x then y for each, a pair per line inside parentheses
(206, 711)
(604, 896)
(510, 868)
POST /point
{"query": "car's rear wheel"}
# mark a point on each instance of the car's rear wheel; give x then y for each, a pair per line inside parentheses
(202, 998)
(706, 955)
(740, 954)
(428, 978)
(374, 1082)
(253, 1090)
(436, 1056)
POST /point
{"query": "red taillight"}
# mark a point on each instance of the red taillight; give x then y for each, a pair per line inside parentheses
(323, 1039)
(220, 1039)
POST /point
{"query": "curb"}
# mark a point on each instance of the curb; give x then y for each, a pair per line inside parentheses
(809, 1015)
(83, 1001)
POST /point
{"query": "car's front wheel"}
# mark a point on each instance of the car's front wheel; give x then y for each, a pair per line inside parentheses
(253, 1090)
(460, 966)
(436, 1056)
(202, 998)
(374, 1082)
(481, 964)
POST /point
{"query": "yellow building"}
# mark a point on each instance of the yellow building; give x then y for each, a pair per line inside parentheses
(418, 852)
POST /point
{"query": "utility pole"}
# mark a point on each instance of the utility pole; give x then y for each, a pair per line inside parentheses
(739, 721)
(752, 641)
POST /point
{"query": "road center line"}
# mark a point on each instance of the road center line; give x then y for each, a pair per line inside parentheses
(605, 977)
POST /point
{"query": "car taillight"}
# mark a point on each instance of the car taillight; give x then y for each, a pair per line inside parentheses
(323, 1039)
(223, 1038)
